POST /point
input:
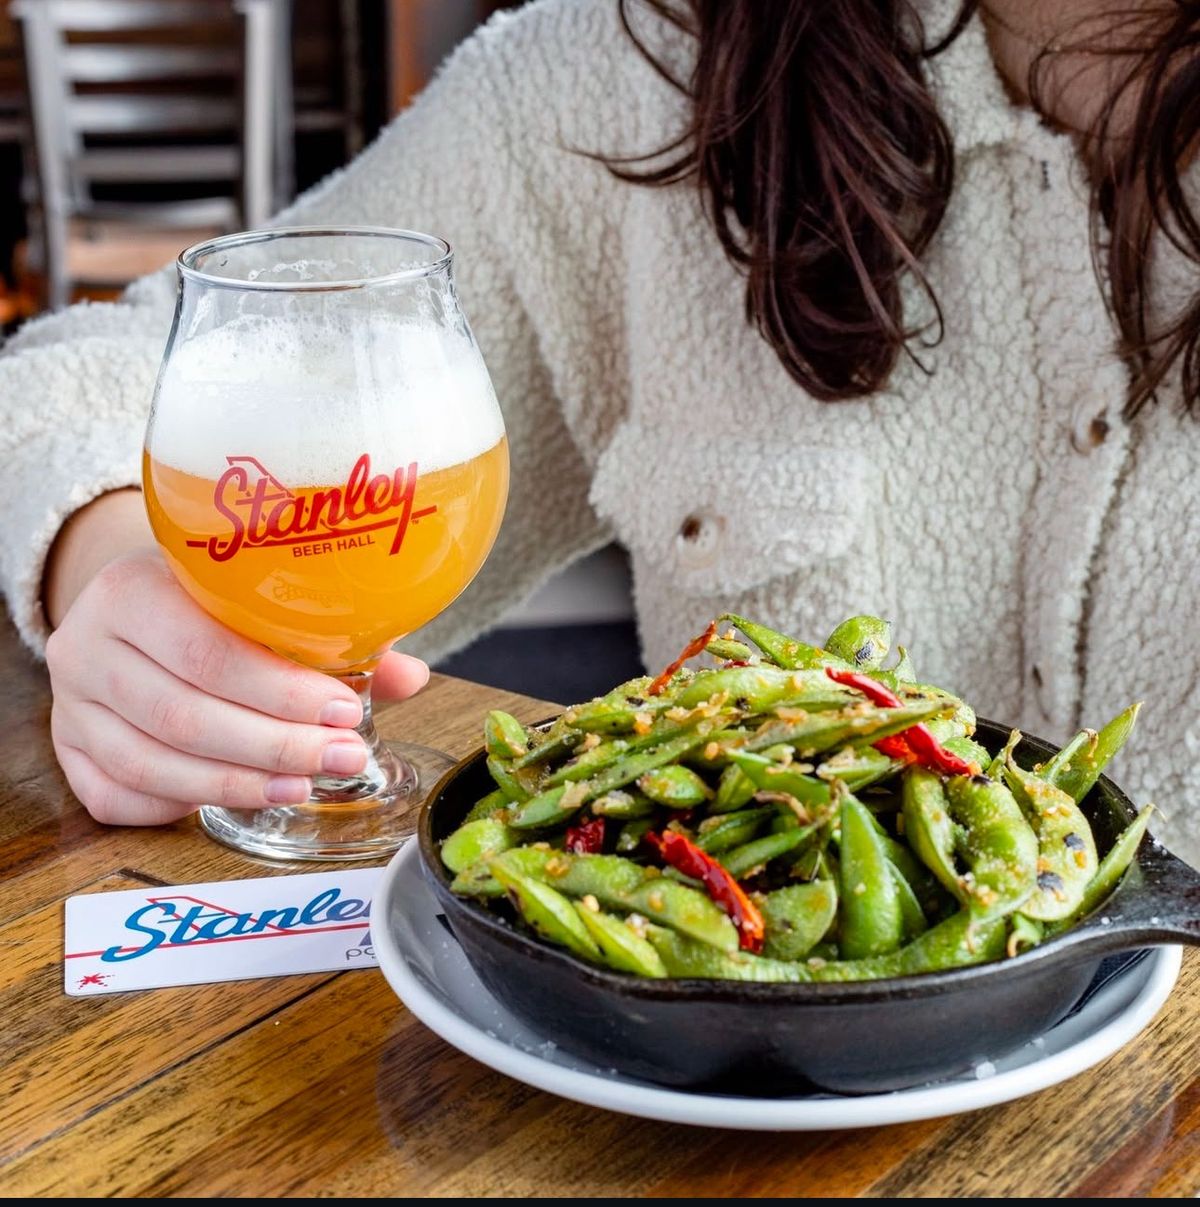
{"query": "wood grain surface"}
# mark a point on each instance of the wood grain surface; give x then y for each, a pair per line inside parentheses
(326, 1085)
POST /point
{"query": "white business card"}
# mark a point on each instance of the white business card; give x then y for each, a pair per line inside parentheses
(226, 930)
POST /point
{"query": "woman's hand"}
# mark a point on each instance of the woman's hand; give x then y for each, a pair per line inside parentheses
(159, 709)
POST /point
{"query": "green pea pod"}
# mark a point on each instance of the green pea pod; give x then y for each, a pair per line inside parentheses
(478, 881)
(797, 918)
(729, 651)
(734, 789)
(784, 651)
(685, 909)
(623, 806)
(618, 710)
(488, 805)
(504, 736)
(630, 835)
(1112, 868)
(957, 942)
(621, 946)
(724, 831)
(862, 640)
(858, 767)
(558, 745)
(1066, 848)
(772, 777)
(588, 763)
(859, 725)
(683, 957)
(997, 845)
(752, 856)
(925, 887)
(547, 912)
(516, 785)
(632, 766)
(476, 840)
(675, 786)
(969, 749)
(754, 689)
(871, 922)
(625, 886)
(928, 829)
(912, 916)
(1082, 770)
(548, 808)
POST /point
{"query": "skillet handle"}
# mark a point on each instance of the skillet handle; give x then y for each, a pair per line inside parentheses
(1157, 902)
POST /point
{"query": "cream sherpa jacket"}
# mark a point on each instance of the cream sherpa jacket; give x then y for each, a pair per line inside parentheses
(1033, 550)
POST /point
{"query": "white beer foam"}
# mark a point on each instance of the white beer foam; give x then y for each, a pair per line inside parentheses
(307, 400)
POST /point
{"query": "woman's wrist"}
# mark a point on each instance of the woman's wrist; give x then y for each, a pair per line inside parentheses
(106, 528)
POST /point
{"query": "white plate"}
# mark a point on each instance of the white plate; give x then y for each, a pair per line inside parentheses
(429, 973)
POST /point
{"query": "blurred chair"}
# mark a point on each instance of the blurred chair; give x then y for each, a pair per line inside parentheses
(188, 100)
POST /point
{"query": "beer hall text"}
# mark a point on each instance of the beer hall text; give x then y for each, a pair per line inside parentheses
(263, 513)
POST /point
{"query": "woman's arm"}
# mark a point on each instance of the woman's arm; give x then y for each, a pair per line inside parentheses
(156, 706)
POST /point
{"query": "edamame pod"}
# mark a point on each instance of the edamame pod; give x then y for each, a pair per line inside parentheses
(547, 912)
(488, 805)
(784, 651)
(871, 921)
(1112, 868)
(1084, 766)
(928, 829)
(476, 840)
(504, 736)
(725, 831)
(863, 641)
(1066, 849)
(797, 918)
(734, 789)
(675, 786)
(997, 845)
(622, 947)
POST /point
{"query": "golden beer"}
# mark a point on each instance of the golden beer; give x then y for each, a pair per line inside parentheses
(331, 574)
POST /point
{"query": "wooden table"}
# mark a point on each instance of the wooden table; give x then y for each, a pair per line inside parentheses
(326, 1085)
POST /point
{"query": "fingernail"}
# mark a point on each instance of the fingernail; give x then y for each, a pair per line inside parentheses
(344, 758)
(288, 789)
(345, 714)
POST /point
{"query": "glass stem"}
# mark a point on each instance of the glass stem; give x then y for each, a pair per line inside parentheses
(384, 772)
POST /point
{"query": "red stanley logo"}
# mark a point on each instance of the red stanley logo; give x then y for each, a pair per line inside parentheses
(264, 513)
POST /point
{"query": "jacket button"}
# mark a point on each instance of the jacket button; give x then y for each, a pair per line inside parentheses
(699, 539)
(1089, 432)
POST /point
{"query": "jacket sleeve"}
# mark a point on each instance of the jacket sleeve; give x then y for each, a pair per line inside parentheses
(75, 387)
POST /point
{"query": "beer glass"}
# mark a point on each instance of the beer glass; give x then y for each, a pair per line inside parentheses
(325, 470)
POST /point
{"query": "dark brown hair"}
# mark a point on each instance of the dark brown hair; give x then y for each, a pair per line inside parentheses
(1145, 134)
(826, 169)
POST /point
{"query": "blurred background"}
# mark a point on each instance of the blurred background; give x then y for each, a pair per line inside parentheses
(132, 128)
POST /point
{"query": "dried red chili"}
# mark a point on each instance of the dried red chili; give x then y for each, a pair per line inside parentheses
(721, 886)
(694, 647)
(915, 744)
(587, 838)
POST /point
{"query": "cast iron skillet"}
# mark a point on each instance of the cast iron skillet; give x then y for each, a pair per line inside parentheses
(767, 1039)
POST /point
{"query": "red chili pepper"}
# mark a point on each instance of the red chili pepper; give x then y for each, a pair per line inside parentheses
(734, 662)
(720, 885)
(871, 688)
(915, 744)
(932, 753)
(587, 838)
(895, 747)
(694, 647)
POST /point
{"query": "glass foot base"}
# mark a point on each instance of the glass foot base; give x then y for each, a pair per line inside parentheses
(334, 825)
